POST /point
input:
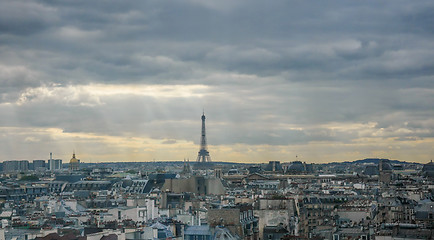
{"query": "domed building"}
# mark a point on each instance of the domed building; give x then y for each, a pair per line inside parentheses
(428, 169)
(371, 170)
(296, 167)
(74, 163)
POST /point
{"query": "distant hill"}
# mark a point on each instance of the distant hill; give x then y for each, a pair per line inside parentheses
(376, 161)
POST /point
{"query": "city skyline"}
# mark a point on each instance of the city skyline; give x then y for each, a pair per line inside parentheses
(327, 82)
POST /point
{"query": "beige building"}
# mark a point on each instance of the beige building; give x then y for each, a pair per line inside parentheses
(196, 184)
(239, 220)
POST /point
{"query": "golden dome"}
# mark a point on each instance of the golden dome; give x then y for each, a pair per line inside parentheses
(73, 159)
(74, 163)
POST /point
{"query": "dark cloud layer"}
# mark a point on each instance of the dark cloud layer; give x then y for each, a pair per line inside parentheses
(275, 73)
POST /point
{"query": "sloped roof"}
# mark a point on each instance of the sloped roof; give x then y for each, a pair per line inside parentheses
(224, 233)
(197, 230)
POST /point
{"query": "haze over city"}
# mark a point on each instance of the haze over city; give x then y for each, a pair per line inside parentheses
(128, 80)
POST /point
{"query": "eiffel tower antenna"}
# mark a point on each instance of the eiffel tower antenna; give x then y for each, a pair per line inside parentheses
(203, 154)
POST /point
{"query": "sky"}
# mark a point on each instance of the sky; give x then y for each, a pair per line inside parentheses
(128, 81)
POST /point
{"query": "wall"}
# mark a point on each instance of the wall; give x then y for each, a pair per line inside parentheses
(229, 218)
(355, 216)
(198, 185)
(272, 218)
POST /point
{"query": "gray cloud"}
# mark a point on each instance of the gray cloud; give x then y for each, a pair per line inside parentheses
(266, 66)
(25, 18)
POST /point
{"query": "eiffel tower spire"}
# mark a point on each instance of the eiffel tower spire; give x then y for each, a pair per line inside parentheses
(203, 154)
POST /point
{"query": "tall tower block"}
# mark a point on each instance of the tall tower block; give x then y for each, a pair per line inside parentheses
(203, 155)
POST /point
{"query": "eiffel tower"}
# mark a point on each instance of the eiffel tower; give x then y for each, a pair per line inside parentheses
(203, 154)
